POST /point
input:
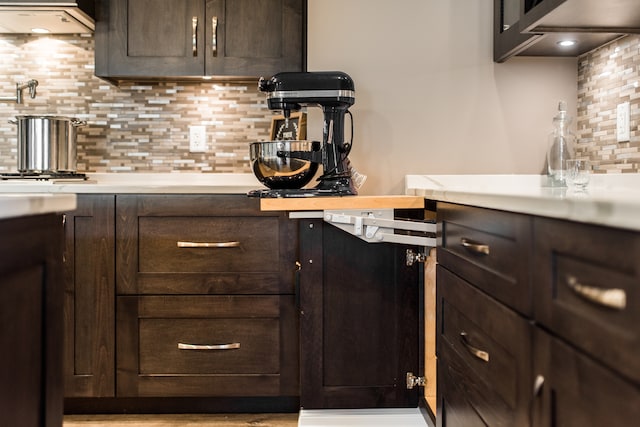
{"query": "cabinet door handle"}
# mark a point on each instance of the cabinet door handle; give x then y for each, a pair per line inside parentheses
(194, 35)
(214, 35)
(474, 246)
(208, 244)
(480, 354)
(537, 385)
(230, 346)
(611, 298)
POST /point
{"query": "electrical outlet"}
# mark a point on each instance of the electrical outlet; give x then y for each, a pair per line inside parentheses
(197, 139)
(623, 130)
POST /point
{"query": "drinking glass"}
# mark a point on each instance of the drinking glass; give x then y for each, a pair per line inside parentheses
(578, 173)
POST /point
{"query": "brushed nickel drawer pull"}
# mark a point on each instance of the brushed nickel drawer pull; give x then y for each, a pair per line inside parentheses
(208, 244)
(231, 346)
(214, 35)
(480, 354)
(537, 385)
(194, 35)
(473, 246)
(612, 298)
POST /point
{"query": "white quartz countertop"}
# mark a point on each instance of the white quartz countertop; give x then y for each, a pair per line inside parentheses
(611, 200)
(18, 204)
(141, 183)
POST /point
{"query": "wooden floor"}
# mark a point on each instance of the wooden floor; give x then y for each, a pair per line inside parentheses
(183, 420)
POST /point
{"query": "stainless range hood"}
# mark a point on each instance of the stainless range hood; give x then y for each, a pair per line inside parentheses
(46, 16)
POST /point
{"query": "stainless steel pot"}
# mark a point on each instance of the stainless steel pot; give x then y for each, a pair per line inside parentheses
(47, 143)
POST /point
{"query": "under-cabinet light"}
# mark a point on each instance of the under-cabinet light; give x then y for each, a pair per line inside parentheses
(40, 31)
(567, 43)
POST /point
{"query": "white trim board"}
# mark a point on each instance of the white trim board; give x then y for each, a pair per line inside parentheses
(387, 417)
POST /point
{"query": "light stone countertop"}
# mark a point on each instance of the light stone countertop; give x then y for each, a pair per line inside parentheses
(141, 183)
(611, 200)
(19, 204)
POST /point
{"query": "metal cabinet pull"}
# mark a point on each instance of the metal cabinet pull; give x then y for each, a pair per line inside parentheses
(230, 346)
(214, 35)
(480, 354)
(611, 298)
(537, 385)
(194, 35)
(208, 244)
(473, 246)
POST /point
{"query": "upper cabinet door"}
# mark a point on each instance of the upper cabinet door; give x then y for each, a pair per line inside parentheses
(149, 38)
(255, 37)
(507, 38)
(186, 39)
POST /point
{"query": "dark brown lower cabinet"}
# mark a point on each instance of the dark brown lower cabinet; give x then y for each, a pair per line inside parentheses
(576, 391)
(145, 273)
(359, 321)
(205, 298)
(573, 360)
(89, 302)
(31, 288)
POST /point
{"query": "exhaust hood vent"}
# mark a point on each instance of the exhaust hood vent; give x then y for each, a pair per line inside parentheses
(44, 16)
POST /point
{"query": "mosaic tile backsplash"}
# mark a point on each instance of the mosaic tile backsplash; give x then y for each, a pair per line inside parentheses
(136, 127)
(143, 127)
(608, 76)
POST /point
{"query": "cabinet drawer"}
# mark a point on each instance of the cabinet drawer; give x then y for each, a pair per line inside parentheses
(157, 334)
(207, 244)
(240, 346)
(588, 290)
(202, 244)
(486, 350)
(490, 249)
(454, 410)
(578, 392)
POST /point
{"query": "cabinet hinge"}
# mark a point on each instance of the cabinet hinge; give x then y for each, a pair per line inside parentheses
(413, 381)
(413, 257)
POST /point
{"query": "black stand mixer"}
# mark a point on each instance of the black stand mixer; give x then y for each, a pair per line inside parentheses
(333, 92)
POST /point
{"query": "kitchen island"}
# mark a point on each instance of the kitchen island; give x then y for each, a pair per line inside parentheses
(541, 283)
(31, 293)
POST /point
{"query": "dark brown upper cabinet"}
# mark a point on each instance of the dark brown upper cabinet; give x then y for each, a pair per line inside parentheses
(192, 39)
(536, 27)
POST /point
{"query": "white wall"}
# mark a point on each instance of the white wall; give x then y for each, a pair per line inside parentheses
(429, 98)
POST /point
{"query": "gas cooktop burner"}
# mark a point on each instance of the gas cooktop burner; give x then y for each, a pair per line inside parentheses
(43, 176)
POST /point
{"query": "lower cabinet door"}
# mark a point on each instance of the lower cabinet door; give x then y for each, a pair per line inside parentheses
(484, 357)
(359, 306)
(205, 346)
(576, 391)
(89, 298)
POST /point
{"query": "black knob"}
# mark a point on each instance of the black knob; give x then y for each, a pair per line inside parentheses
(265, 85)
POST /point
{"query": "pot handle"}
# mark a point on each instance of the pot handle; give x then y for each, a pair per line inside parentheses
(78, 123)
(13, 121)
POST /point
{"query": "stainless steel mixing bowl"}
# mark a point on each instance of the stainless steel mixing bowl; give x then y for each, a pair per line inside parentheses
(276, 170)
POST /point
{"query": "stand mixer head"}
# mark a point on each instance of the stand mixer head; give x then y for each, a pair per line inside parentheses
(334, 93)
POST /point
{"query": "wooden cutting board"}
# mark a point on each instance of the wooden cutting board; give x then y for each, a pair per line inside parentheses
(346, 202)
